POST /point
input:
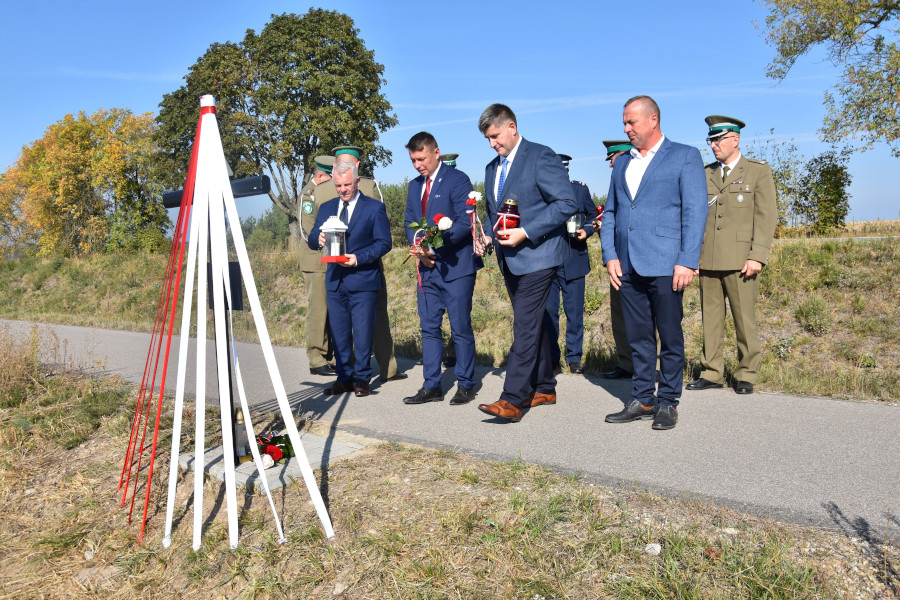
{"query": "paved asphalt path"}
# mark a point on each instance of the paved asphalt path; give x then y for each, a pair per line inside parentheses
(815, 461)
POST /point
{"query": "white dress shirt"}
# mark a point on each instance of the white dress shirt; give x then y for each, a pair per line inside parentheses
(638, 166)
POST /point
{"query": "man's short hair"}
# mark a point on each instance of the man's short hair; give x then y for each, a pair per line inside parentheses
(421, 141)
(343, 166)
(496, 115)
(648, 103)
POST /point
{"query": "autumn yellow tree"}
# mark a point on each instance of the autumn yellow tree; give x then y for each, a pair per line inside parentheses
(86, 185)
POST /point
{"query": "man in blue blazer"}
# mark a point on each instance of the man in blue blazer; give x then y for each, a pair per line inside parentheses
(351, 288)
(570, 281)
(447, 273)
(533, 176)
(651, 237)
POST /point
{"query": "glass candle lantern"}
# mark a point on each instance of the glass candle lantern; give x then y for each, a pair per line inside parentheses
(507, 218)
(573, 224)
(335, 247)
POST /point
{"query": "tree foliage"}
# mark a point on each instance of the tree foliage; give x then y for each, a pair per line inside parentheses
(824, 202)
(304, 84)
(861, 38)
(787, 169)
(86, 185)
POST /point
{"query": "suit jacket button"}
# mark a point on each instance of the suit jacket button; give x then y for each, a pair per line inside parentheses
(718, 228)
(630, 229)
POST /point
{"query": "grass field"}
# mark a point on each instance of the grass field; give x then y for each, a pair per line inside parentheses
(829, 311)
(410, 523)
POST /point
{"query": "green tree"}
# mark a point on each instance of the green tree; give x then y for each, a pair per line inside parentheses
(787, 169)
(824, 200)
(861, 39)
(304, 84)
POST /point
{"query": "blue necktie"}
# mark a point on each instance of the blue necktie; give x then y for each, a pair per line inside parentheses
(345, 213)
(503, 164)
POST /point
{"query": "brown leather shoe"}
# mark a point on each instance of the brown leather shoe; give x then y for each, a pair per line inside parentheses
(502, 409)
(339, 387)
(362, 388)
(538, 398)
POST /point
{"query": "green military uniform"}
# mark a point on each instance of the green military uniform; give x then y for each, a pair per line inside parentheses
(319, 349)
(740, 227)
(383, 342)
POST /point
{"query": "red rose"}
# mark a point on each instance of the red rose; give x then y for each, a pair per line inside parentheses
(275, 452)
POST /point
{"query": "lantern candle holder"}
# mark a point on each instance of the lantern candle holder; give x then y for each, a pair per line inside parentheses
(335, 248)
(573, 224)
(507, 218)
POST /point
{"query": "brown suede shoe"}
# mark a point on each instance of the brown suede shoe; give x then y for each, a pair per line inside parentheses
(339, 387)
(502, 409)
(538, 398)
(362, 388)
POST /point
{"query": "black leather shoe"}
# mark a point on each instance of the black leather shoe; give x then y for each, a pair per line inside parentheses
(425, 395)
(339, 387)
(575, 367)
(397, 377)
(463, 395)
(743, 387)
(325, 370)
(362, 388)
(420, 362)
(618, 373)
(665, 418)
(633, 412)
(703, 384)
(450, 362)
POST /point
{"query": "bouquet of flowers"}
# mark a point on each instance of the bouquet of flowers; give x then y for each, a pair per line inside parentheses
(430, 235)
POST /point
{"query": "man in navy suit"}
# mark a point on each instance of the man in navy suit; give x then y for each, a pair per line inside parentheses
(570, 281)
(532, 176)
(351, 288)
(447, 273)
(651, 238)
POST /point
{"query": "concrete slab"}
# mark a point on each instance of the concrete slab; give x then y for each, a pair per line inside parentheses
(320, 451)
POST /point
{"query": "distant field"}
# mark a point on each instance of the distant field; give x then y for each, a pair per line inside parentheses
(828, 311)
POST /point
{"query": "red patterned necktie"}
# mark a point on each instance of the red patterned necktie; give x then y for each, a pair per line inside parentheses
(425, 195)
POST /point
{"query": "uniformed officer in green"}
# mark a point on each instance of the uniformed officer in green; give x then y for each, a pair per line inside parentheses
(383, 344)
(449, 159)
(739, 232)
(319, 350)
(625, 368)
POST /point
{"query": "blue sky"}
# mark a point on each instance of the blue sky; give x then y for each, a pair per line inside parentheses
(564, 67)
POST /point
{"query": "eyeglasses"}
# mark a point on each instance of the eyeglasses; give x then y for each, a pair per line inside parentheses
(719, 140)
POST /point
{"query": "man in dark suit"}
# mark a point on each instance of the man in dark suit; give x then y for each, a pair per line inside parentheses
(446, 274)
(532, 176)
(352, 287)
(570, 280)
(651, 237)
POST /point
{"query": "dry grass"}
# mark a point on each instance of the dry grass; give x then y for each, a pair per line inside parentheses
(828, 311)
(851, 229)
(410, 523)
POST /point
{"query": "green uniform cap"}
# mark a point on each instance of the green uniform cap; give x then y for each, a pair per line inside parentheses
(719, 125)
(613, 147)
(354, 150)
(449, 159)
(324, 163)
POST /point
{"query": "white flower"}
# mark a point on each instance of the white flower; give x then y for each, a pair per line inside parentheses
(475, 195)
(445, 223)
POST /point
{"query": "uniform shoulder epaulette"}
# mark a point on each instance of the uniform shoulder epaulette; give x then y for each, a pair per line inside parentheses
(758, 161)
(579, 182)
